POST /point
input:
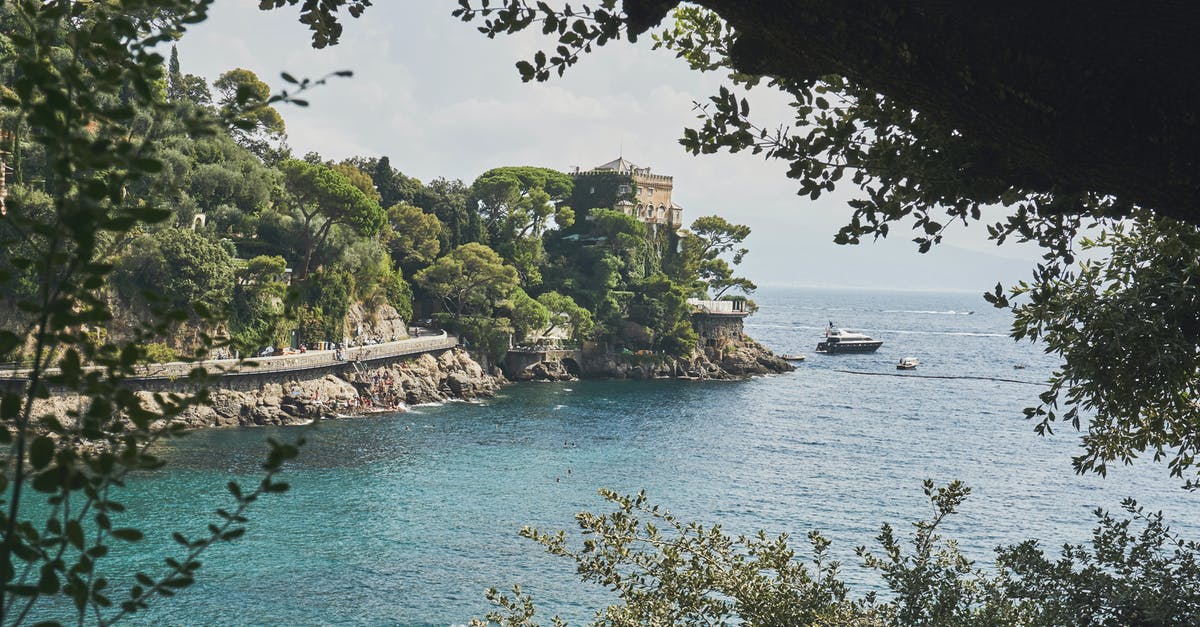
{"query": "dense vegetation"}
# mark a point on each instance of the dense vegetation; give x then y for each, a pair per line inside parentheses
(502, 259)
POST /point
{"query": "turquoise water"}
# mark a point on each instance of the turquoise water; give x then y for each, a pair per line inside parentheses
(406, 519)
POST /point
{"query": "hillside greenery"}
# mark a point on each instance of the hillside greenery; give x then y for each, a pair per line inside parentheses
(357, 230)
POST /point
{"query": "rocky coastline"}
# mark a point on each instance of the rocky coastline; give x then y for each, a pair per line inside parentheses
(428, 378)
(454, 375)
(735, 360)
(439, 377)
(364, 390)
(732, 358)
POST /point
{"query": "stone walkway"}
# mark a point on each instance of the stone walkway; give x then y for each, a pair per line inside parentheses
(291, 362)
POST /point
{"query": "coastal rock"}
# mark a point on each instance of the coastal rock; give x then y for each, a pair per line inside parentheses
(743, 357)
(422, 379)
(552, 370)
(382, 323)
(728, 356)
(429, 379)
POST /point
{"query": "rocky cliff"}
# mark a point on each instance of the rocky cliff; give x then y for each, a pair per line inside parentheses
(732, 358)
(723, 352)
(423, 379)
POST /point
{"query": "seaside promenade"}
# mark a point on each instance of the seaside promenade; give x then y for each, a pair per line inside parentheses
(294, 362)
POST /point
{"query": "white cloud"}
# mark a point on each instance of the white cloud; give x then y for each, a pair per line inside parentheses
(440, 99)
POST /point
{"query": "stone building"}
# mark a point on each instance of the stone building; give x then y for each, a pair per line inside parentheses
(638, 192)
(718, 322)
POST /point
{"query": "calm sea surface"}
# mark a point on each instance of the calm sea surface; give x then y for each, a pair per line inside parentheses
(406, 519)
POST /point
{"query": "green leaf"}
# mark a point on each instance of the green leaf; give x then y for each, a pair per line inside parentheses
(8, 341)
(127, 534)
(41, 452)
(526, 70)
(48, 582)
(75, 534)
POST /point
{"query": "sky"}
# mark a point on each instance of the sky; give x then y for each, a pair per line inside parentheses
(441, 100)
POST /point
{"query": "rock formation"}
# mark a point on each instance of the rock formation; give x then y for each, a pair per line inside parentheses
(423, 379)
(729, 355)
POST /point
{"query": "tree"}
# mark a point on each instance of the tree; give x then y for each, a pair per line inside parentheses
(326, 297)
(77, 76)
(359, 179)
(527, 315)
(666, 571)
(661, 305)
(470, 279)
(565, 311)
(448, 201)
(718, 236)
(392, 185)
(713, 236)
(412, 236)
(185, 87)
(324, 198)
(515, 204)
(1036, 111)
(178, 265)
(1132, 302)
(244, 104)
(257, 308)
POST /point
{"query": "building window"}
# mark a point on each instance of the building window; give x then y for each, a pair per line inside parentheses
(624, 189)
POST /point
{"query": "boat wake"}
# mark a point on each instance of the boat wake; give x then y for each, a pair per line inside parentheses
(802, 327)
(951, 333)
(929, 312)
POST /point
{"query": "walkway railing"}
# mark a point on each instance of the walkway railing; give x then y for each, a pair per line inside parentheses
(295, 362)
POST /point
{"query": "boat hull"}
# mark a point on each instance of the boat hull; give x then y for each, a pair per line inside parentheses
(834, 348)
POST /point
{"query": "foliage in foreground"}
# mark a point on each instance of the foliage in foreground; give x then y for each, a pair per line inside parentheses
(664, 571)
(83, 82)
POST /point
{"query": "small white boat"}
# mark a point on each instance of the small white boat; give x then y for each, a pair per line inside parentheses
(907, 363)
(790, 357)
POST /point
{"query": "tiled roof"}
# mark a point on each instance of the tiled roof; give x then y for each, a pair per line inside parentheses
(618, 165)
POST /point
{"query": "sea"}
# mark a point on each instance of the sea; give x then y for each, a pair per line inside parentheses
(407, 518)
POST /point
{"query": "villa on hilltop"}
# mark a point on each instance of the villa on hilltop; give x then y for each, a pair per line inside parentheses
(625, 187)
